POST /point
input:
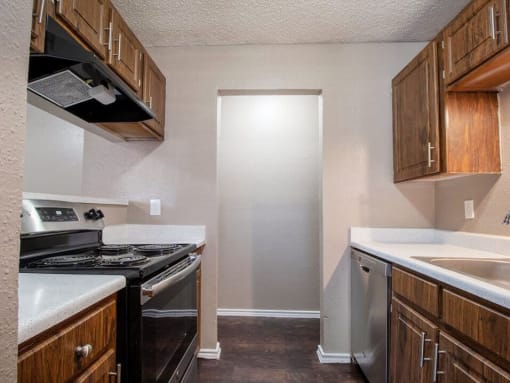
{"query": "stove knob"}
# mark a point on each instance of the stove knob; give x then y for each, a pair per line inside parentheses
(94, 214)
(91, 214)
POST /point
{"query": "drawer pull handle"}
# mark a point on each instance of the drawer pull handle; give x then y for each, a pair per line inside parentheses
(435, 371)
(83, 351)
(422, 349)
(117, 373)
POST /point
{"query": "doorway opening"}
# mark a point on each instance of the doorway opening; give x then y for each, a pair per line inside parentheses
(269, 193)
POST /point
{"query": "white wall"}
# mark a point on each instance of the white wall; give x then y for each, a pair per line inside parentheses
(14, 45)
(53, 154)
(357, 154)
(269, 202)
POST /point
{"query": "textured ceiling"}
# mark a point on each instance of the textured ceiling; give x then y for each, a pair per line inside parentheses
(232, 22)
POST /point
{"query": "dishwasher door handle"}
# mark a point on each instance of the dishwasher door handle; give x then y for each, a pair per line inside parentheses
(364, 268)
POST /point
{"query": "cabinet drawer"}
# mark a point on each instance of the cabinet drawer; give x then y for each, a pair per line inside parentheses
(100, 371)
(420, 292)
(55, 359)
(482, 324)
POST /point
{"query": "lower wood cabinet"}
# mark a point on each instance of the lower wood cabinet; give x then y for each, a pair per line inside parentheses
(456, 363)
(412, 341)
(465, 341)
(80, 350)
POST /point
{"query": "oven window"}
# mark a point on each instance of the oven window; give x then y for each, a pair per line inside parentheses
(169, 325)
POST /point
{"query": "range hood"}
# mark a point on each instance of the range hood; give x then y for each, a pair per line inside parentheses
(78, 81)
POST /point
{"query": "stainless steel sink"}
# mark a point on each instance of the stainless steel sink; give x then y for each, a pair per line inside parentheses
(492, 270)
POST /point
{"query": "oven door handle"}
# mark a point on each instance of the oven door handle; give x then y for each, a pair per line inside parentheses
(149, 291)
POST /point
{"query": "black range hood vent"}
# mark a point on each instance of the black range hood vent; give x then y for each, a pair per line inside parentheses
(75, 79)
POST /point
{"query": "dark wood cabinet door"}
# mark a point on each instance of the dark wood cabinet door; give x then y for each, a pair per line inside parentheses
(126, 54)
(87, 19)
(38, 25)
(416, 117)
(412, 345)
(459, 364)
(154, 91)
(475, 35)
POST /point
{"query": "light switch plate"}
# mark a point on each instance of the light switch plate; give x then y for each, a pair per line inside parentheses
(469, 209)
(155, 207)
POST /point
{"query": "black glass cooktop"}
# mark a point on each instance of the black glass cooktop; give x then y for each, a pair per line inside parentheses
(132, 261)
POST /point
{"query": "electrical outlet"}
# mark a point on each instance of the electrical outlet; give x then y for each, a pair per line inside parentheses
(469, 209)
(155, 207)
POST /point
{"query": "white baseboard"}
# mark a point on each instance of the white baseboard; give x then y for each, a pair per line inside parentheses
(269, 313)
(210, 353)
(333, 357)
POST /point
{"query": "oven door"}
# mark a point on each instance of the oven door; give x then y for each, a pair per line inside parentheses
(169, 322)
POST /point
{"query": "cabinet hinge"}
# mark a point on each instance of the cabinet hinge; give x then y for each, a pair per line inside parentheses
(391, 307)
(443, 73)
(442, 44)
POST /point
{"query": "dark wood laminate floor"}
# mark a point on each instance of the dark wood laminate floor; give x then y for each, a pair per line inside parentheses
(272, 350)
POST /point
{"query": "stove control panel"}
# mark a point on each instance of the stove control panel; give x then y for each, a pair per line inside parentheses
(45, 216)
(56, 214)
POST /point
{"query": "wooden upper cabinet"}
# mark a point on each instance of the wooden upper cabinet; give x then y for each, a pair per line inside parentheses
(126, 52)
(416, 117)
(88, 19)
(38, 25)
(475, 35)
(154, 91)
(439, 133)
(412, 345)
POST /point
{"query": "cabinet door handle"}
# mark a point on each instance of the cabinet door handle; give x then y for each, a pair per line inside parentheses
(149, 102)
(118, 50)
(429, 154)
(422, 349)
(41, 12)
(492, 22)
(117, 373)
(435, 371)
(110, 36)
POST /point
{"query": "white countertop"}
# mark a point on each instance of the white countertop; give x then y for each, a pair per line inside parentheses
(75, 198)
(154, 234)
(48, 299)
(400, 245)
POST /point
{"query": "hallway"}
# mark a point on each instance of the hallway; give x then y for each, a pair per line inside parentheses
(271, 350)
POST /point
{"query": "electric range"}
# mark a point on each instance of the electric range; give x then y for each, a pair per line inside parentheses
(157, 311)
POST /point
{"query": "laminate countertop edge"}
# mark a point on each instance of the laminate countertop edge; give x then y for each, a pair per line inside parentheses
(45, 300)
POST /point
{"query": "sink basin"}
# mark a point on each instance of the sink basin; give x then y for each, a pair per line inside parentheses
(492, 270)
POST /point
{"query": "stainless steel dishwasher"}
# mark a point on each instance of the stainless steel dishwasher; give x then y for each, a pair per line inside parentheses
(370, 299)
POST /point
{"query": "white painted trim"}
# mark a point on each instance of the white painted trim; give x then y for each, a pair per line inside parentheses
(210, 353)
(333, 357)
(268, 313)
